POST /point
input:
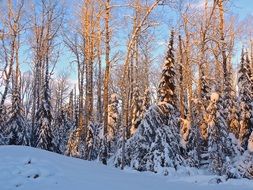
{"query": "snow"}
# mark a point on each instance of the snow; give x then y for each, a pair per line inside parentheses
(214, 97)
(26, 168)
(114, 97)
(185, 131)
(250, 143)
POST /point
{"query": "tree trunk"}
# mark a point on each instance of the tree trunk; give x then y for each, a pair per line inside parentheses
(107, 77)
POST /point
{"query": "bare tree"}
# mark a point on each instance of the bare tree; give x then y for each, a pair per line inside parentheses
(10, 43)
(44, 32)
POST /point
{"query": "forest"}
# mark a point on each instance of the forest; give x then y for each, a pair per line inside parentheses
(152, 85)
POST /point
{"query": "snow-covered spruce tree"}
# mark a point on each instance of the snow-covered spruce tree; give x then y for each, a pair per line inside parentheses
(196, 145)
(94, 141)
(44, 117)
(245, 128)
(3, 118)
(139, 107)
(2, 139)
(16, 126)
(245, 164)
(146, 102)
(110, 141)
(62, 127)
(136, 110)
(190, 141)
(244, 88)
(233, 118)
(76, 146)
(198, 137)
(72, 144)
(95, 144)
(166, 88)
(205, 93)
(193, 147)
(201, 106)
(76, 141)
(113, 123)
(219, 143)
(230, 105)
(155, 146)
(73, 139)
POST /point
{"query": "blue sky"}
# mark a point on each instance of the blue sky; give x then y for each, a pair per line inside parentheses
(242, 8)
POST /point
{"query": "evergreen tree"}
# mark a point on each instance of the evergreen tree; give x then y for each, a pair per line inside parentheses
(146, 102)
(198, 138)
(244, 125)
(44, 118)
(136, 110)
(230, 105)
(244, 87)
(233, 117)
(17, 127)
(155, 144)
(140, 106)
(219, 143)
(245, 164)
(216, 155)
(113, 123)
(193, 147)
(166, 88)
(62, 126)
(3, 118)
(114, 131)
(76, 142)
(189, 134)
(94, 142)
(202, 106)
(205, 88)
(72, 145)
(199, 135)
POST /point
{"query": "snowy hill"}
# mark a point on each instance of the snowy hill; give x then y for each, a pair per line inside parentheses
(34, 169)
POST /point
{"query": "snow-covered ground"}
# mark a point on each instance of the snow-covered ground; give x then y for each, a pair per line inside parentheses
(33, 169)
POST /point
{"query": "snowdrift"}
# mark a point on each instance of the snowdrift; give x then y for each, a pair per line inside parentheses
(26, 168)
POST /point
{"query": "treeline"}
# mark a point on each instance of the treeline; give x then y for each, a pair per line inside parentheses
(198, 114)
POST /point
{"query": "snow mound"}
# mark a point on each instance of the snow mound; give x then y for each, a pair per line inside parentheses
(26, 168)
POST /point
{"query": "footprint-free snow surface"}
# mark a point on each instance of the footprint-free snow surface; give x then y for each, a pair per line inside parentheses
(28, 168)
